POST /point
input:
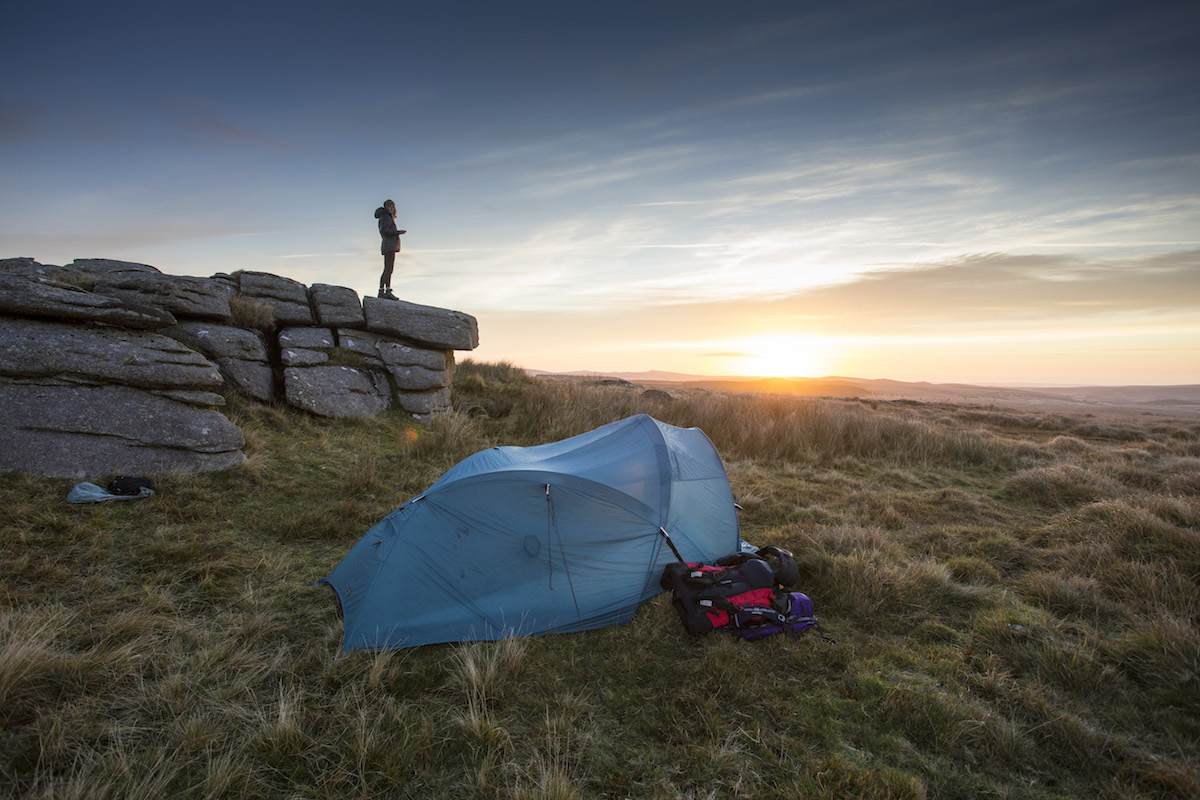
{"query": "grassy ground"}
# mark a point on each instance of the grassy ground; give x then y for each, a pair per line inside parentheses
(1015, 598)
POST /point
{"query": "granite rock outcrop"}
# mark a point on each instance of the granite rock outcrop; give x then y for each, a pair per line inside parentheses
(110, 366)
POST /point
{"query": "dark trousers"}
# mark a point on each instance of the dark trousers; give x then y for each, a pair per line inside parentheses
(389, 261)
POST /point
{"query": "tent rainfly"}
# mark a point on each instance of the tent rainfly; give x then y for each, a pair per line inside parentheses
(561, 537)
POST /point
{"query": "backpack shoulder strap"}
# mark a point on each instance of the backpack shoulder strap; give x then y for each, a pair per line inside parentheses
(787, 573)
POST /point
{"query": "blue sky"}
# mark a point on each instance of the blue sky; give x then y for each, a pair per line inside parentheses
(986, 192)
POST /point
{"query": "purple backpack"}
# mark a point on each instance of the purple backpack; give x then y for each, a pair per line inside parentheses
(798, 621)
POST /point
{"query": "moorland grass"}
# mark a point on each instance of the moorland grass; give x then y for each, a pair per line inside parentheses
(1015, 598)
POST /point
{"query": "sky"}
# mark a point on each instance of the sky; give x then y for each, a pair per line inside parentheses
(978, 192)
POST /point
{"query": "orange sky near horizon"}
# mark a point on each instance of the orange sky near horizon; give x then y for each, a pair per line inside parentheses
(1130, 323)
(1090, 358)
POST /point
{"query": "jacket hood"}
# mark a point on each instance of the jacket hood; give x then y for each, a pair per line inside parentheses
(379, 212)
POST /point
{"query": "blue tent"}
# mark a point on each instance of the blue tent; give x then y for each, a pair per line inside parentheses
(560, 537)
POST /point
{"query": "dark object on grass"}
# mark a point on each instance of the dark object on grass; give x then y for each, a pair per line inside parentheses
(127, 485)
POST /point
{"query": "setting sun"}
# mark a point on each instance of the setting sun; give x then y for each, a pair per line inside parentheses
(783, 356)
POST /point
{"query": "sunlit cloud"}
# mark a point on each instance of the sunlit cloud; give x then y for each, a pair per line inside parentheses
(1013, 287)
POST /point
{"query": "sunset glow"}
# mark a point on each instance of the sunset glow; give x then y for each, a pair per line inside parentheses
(783, 356)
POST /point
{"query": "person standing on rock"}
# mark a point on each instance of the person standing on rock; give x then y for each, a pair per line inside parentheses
(386, 214)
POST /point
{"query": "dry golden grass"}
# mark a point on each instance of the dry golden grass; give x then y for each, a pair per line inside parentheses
(1015, 598)
(249, 312)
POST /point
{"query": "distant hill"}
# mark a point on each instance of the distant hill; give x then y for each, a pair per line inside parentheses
(1182, 399)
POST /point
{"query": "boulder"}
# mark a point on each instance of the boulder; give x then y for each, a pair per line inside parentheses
(287, 298)
(337, 306)
(193, 398)
(437, 328)
(397, 354)
(300, 357)
(424, 406)
(67, 429)
(303, 347)
(88, 389)
(386, 371)
(99, 267)
(413, 379)
(185, 297)
(26, 297)
(229, 281)
(331, 391)
(38, 349)
(392, 353)
(241, 355)
(309, 338)
(411, 368)
(362, 343)
(80, 273)
(27, 267)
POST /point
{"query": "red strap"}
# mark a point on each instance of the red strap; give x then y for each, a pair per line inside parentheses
(754, 597)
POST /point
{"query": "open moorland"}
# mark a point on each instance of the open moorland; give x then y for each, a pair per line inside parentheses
(1176, 401)
(1014, 594)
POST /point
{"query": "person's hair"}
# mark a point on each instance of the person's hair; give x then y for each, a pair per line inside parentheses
(388, 203)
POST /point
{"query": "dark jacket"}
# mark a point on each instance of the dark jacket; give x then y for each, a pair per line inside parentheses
(387, 231)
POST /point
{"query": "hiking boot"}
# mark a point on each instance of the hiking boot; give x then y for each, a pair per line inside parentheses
(387, 294)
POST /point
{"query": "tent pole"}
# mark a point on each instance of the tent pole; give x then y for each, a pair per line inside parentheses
(667, 536)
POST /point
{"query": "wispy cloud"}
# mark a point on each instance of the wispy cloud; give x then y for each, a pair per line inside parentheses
(581, 171)
(218, 131)
(1006, 290)
(19, 124)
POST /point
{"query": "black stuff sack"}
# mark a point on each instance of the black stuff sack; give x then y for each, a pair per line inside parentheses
(126, 485)
(743, 594)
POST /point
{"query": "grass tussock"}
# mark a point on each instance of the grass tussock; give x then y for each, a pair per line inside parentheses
(1059, 486)
(250, 312)
(1015, 598)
